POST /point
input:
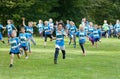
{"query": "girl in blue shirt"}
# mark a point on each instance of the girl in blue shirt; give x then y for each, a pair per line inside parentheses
(82, 38)
(47, 32)
(40, 28)
(72, 32)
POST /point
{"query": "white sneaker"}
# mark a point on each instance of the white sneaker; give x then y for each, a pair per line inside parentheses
(26, 57)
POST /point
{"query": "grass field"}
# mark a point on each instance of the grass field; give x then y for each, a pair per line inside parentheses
(100, 63)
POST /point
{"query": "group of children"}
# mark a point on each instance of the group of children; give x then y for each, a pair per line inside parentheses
(21, 44)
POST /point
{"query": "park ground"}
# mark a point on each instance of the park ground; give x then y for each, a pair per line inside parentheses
(100, 63)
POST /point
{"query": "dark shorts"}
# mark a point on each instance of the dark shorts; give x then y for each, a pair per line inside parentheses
(24, 48)
(96, 39)
(14, 53)
(49, 35)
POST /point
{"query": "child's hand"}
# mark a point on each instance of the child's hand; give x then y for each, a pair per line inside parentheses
(23, 18)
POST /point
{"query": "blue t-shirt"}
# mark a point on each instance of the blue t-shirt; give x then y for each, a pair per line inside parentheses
(10, 28)
(72, 30)
(96, 33)
(29, 31)
(111, 27)
(51, 25)
(60, 37)
(117, 27)
(47, 30)
(67, 26)
(82, 36)
(14, 42)
(40, 27)
(86, 28)
(23, 39)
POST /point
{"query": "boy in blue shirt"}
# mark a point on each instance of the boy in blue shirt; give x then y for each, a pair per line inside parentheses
(47, 32)
(1, 37)
(59, 42)
(29, 31)
(82, 38)
(72, 31)
(15, 43)
(23, 41)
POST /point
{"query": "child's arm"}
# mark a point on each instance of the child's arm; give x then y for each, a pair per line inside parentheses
(23, 21)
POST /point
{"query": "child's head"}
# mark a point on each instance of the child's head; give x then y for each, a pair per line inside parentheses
(95, 26)
(105, 21)
(46, 23)
(60, 26)
(117, 21)
(99, 26)
(81, 27)
(91, 24)
(72, 23)
(30, 23)
(68, 21)
(40, 21)
(9, 21)
(22, 29)
(50, 20)
(13, 34)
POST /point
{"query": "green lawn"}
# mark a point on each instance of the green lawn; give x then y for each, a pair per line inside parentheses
(100, 63)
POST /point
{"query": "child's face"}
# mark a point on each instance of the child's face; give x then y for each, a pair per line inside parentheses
(95, 26)
(81, 28)
(13, 34)
(30, 24)
(22, 30)
(8, 21)
(105, 21)
(40, 21)
(59, 26)
(50, 20)
(46, 23)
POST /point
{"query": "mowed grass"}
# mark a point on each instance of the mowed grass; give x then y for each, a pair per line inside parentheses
(100, 63)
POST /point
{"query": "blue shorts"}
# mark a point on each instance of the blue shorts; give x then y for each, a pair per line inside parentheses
(96, 39)
(1, 38)
(14, 53)
(24, 47)
(82, 41)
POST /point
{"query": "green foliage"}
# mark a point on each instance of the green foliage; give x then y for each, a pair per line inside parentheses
(93, 10)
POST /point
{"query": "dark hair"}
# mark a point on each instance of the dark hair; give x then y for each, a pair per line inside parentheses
(22, 27)
(60, 24)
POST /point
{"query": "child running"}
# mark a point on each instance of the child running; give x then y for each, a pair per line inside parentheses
(47, 32)
(59, 42)
(40, 27)
(10, 27)
(23, 42)
(1, 37)
(96, 35)
(82, 38)
(72, 31)
(15, 43)
(29, 31)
